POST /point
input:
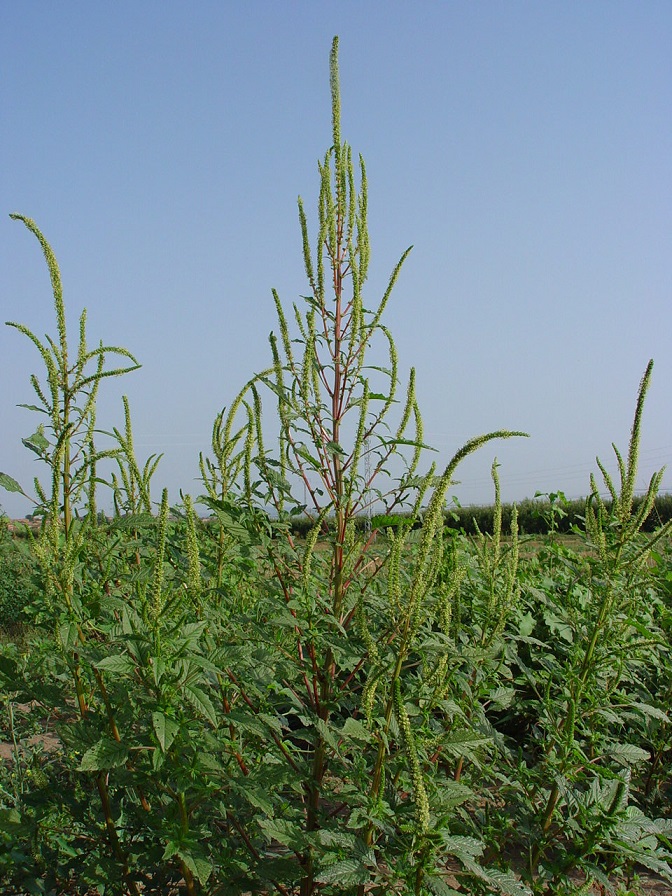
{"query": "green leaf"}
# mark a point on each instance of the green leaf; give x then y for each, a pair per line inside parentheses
(463, 742)
(336, 838)
(627, 754)
(107, 753)
(165, 730)
(283, 832)
(335, 448)
(652, 711)
(37, 442)
(526, 626)
(258, 798)
(347, 873)
(303, 453)
(199, 867)
(559, 627)
(10, 485)
(438, 886)
(326, 734)
(502, 697)
(201, 703)
(355, 729)
(453, 793)
(412, 443)
(68, 634)
(119, 664)
(504, 881)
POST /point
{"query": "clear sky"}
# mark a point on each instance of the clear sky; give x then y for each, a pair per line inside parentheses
(524, 149)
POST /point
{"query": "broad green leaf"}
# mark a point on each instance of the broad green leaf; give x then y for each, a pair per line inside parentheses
(502, 697)
(463, 742)
(355, 729)
(453, 793)
(68, 635)
(107, 753)
(165, 729)
(462, 846)
(284, 832)
(347, 873)
(158, 668)
(258, 798)
(9, 484)
(201, 703)
(273, 722)
(193, 630)
(627, 754)
(327, 734)
(505, 882)
(653, 711)
(37, 442)
(121, 664)
(313, 461)
(526, 626)
(336, 838)
(438, 886)
(559, 627)
(199, 867)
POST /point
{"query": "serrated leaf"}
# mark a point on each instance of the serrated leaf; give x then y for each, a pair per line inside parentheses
(192, 630)
(107, 753)
(258, 798)
(347, 873)
(652, 711)
(505, 882)
(438, 886)
(463, 847)
(627, 754)
(336, 838)
(308, 457)
(502, 697)
(463, 742)
(201, 703)
(165, 730)
(119, 664)
(284, 832)
(199, 867)
(355, 729)
(453, 793)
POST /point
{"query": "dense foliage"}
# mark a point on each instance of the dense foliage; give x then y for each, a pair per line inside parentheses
(227, 708)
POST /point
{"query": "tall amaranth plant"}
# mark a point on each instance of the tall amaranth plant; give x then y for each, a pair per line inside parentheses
(340, 448)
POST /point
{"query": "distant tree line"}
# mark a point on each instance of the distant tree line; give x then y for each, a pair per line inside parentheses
(536, 516)
(539, 516)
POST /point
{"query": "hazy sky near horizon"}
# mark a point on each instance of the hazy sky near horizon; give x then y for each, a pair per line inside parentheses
(524, 149)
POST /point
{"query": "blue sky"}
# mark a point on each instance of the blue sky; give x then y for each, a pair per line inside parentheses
(524, 149)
